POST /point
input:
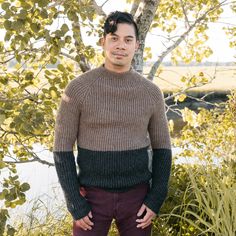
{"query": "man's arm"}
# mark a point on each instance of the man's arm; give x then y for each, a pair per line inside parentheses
(162, 155)
(161, 166)
(66, 129)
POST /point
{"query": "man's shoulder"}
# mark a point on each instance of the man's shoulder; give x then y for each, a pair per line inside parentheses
(87, 76)
(152, 88)
(80, 84)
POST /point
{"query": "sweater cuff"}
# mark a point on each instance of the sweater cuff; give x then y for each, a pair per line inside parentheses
(80, 210)
(66, 171)
(161, 167)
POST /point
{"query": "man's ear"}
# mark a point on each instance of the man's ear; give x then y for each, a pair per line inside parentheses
(101, 41)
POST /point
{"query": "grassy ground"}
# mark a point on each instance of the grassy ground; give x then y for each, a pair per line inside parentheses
(225, 77)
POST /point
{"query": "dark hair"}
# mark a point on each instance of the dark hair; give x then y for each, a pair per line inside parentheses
(114, 18)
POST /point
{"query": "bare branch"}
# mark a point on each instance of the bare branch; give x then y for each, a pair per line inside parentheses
(176, 111)
(34, 155)
(203, 97)
(99, 9)
(6, 132)
(184, 90)
(185, 14)
(68, 56)
(83, 66)
(202, 100)
(177, 42)
(224, 23)
(104, 3)
(27, 161)
(30, 161)
(165, 37)
(4, 62)
(15, 99)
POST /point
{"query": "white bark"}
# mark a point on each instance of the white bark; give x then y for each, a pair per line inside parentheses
(144, 17)
(134, 7)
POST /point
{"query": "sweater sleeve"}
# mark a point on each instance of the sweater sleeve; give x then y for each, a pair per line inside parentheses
(162, 156)
(66, 129)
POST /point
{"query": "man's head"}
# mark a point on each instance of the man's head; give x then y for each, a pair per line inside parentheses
(117, 17)
(120, 40)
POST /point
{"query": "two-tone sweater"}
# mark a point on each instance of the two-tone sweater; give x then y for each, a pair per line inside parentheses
(113, 119)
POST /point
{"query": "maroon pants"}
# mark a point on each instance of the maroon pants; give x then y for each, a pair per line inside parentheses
(122, 206)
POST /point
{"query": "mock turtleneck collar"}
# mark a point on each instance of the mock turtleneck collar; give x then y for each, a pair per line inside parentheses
(112, 74)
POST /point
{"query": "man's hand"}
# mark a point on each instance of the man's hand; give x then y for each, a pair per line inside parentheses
(147, 218)
(85, 223)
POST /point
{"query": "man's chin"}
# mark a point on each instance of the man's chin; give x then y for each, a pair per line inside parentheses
(119, 63)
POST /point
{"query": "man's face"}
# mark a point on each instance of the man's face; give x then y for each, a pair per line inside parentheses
(119, 48)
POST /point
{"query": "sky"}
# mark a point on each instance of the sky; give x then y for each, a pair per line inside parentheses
(218, 40)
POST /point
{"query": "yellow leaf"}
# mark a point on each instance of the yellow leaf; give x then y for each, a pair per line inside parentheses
(182, 97)
(171, 125)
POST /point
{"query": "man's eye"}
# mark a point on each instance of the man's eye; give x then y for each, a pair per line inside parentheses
(113, 38)
(128, 40)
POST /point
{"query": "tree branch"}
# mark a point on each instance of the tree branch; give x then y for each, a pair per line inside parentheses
(34, 155)
(176, 111)
(15, 99)
(185, 14)
(30, 161)
(68, 56)
(4, 62)
(177, 42)
(202, 100)
(84, 65)
(99, 9)
(104, 3)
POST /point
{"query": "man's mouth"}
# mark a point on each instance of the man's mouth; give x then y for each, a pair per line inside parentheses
(120, 54)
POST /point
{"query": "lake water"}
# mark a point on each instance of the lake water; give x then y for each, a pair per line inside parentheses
(43, 184)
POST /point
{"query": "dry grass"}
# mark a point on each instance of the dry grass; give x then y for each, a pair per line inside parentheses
(225, 77)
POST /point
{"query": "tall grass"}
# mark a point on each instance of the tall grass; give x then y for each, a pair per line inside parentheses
(40, 221)
(212, 210)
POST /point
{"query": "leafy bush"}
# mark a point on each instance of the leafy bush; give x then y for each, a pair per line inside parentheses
(202, 193)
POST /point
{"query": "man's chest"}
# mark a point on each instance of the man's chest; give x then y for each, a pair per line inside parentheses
(111, 107)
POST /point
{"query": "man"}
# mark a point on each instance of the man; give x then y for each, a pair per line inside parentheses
(114, 114)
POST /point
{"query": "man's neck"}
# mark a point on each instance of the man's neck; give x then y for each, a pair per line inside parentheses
(117, 69)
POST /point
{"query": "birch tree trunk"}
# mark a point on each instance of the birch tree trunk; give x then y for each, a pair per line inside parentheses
(144, 15)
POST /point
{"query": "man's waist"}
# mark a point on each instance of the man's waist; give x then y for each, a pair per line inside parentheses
(113, 170)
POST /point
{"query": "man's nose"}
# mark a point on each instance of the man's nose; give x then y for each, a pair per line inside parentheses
(121, 44)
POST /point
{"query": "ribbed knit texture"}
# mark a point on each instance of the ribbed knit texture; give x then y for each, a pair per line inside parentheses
(161, 166)
(114, 117)
(66, 169)
(113, 170)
